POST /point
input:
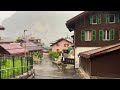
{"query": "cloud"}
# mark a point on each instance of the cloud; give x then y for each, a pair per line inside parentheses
(5, 14)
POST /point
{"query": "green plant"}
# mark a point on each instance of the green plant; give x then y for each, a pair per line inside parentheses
(54, 55)
(69, 49)
(40, 55)
(7, 68)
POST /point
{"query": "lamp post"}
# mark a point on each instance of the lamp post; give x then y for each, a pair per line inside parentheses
(25, 42)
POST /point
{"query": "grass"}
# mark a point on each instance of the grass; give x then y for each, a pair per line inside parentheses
(7, 67)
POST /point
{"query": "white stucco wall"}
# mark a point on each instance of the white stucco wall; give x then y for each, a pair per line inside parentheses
(79, 50)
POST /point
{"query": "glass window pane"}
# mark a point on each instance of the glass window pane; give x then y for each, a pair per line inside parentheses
(112, 18)
(94, 19)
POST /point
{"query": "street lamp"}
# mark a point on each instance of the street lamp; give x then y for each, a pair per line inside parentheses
(25, 42)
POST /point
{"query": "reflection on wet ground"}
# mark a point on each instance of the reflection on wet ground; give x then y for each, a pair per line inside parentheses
(47, 70)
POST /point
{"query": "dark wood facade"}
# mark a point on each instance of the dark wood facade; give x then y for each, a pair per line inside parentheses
(102, 63)
(83, 23)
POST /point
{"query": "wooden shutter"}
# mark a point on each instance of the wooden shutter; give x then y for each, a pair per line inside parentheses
(91, 18)
(93, 35)
(101, 34)
(112, 34)
(107, 18)
(117, 18)
(82, 35)
(99, 19)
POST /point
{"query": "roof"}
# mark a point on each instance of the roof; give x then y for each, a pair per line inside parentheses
(30, 46)
(99, 51)
(72, 20)
(33, 48)
(13, 49)
(2, 28)
(59, 41)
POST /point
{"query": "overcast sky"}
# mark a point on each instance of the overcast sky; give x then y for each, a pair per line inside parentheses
(43, 23)
(5, 14)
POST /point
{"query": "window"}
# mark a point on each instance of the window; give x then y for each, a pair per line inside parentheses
(119, 35)
(95, 19)
(110, 18)
(106, 35)
(88, 35)
(66, 45)
(57, 44)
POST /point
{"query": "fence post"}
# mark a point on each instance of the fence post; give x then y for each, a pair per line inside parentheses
(22, 65)
(27, 64)
(0, 68)
(31, 62)
(13, 58)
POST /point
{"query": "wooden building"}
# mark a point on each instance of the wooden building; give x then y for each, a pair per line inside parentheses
(102, 62)
(31, 47)
(94, 29)
(12, 49)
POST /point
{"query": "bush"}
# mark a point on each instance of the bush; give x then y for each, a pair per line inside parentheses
(69, 49)
(54, 55)
(40, 55)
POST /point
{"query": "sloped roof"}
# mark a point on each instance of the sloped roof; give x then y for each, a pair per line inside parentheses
(2, 28)
(59, 41)
(33, 48)
(71, 21)
(13, 49)
(30, 46)
(99, 51)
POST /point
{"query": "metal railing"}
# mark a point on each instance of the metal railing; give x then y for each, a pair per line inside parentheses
(12, 66)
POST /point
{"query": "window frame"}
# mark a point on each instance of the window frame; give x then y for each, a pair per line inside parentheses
(119, 35)
(105, 37)
(114, 18)
(90, 35)
(57, 44)
(93, 19)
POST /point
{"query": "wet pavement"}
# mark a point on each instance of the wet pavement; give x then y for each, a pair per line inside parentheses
(47, 70)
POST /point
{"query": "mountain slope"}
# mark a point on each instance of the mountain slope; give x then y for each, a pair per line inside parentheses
(48, 26)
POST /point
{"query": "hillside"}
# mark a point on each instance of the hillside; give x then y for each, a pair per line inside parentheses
(48, 26)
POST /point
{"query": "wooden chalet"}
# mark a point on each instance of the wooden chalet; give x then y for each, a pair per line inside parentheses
(94, 29)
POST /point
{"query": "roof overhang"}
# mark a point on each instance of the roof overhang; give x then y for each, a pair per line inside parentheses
(99, 51)
(2, 28)
(71, 23)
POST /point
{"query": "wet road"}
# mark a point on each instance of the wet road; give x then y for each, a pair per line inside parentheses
(47, 70)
